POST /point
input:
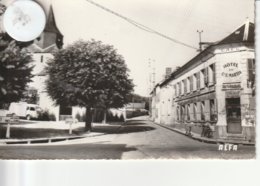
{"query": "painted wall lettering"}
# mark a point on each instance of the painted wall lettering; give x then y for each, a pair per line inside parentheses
(231, 69)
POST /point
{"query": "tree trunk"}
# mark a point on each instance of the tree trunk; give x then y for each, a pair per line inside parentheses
(105, 117)
(88, 122)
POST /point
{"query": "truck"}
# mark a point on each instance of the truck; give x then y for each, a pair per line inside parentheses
(24, 110)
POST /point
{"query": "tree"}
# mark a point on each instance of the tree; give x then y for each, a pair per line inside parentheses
(88, 74)
(15, 68)
(15, 73)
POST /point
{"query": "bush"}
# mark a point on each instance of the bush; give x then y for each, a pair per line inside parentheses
(80, 118)
(46, 116)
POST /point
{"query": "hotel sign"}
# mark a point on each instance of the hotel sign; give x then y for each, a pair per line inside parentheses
(231, 70)
(231, 86)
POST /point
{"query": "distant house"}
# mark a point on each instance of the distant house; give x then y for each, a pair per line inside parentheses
(216, 88)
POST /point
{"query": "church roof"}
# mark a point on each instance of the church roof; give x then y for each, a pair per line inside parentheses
(51, 23)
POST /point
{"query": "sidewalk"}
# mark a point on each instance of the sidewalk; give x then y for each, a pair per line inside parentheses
(196, 136)
(33, 132)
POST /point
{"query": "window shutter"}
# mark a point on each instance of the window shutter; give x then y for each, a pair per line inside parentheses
(214, 72)
(175, 90)
(185, 86)
(206, 76)
(198, 80)
(251, 69)
(191, 84)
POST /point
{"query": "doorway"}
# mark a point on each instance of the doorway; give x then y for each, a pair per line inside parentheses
(233, 109)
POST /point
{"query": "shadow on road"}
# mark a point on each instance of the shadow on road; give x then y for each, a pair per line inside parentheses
(75, 151)
(25, 133)
(116, 129)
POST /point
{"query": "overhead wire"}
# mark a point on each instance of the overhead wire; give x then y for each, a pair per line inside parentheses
(141, 26)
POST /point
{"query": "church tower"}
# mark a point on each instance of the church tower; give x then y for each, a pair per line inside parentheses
(42, 48)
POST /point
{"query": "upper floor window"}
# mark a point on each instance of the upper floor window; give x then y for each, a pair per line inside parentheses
(195, 111)
(175, 90)
(41, 58)
(251, 72)
(188, 84)
(179, 88)
(185, 86)
(202, 78)
(211, 74)
(198, 80)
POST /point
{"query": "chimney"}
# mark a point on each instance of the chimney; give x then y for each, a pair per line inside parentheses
(168, 72)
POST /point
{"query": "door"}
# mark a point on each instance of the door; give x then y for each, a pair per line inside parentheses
(233, 115)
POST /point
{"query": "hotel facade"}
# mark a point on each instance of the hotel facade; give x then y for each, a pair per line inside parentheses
(216, 88)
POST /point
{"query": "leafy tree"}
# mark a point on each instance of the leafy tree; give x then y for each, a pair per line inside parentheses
(88, 74)
(15, 68)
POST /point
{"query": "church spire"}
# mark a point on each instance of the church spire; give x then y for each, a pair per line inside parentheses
(51, 34)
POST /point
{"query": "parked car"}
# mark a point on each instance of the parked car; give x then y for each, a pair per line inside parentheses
(25, 110)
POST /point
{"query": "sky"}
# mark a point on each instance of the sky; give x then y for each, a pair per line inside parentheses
(178, 19)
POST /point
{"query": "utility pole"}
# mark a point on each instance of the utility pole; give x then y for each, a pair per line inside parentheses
(151, 74)
(200, 44)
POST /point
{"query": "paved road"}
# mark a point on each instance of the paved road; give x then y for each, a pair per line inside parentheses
(137, 139)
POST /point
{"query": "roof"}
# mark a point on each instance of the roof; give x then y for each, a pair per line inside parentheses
(51, 23)
(243, 34)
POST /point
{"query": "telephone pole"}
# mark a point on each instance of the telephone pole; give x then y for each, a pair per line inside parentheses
(151, 74)
(200, 44)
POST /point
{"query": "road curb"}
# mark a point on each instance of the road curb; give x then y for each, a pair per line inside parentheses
(206, 140)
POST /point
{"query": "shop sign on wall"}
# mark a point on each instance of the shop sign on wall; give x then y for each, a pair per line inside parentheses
(231, 86)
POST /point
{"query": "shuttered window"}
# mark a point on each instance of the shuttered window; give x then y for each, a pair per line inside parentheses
(191, 83)
(214, 72)
(198, 80)
(206, 76)
(175, 90)
(251, 69)
(202, 110)
(185, 85)
(195, 111)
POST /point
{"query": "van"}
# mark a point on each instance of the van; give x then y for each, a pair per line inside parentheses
(25, 110)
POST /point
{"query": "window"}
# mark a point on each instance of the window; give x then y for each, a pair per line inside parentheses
(41, 58)
(188, 112)
(202, 78)
(206, 76)
(191, 83)
(188, 84)
(198, 80)
(211, 75)
(213, 113)
(202, 110)
(175, 90)
(185, 85)
(180, 93)
(32, 108)
(251, 72)
(179, 89)
(195, 111)
(178, 112)
(183, 113)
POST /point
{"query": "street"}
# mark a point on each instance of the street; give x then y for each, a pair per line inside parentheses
(136, 139)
